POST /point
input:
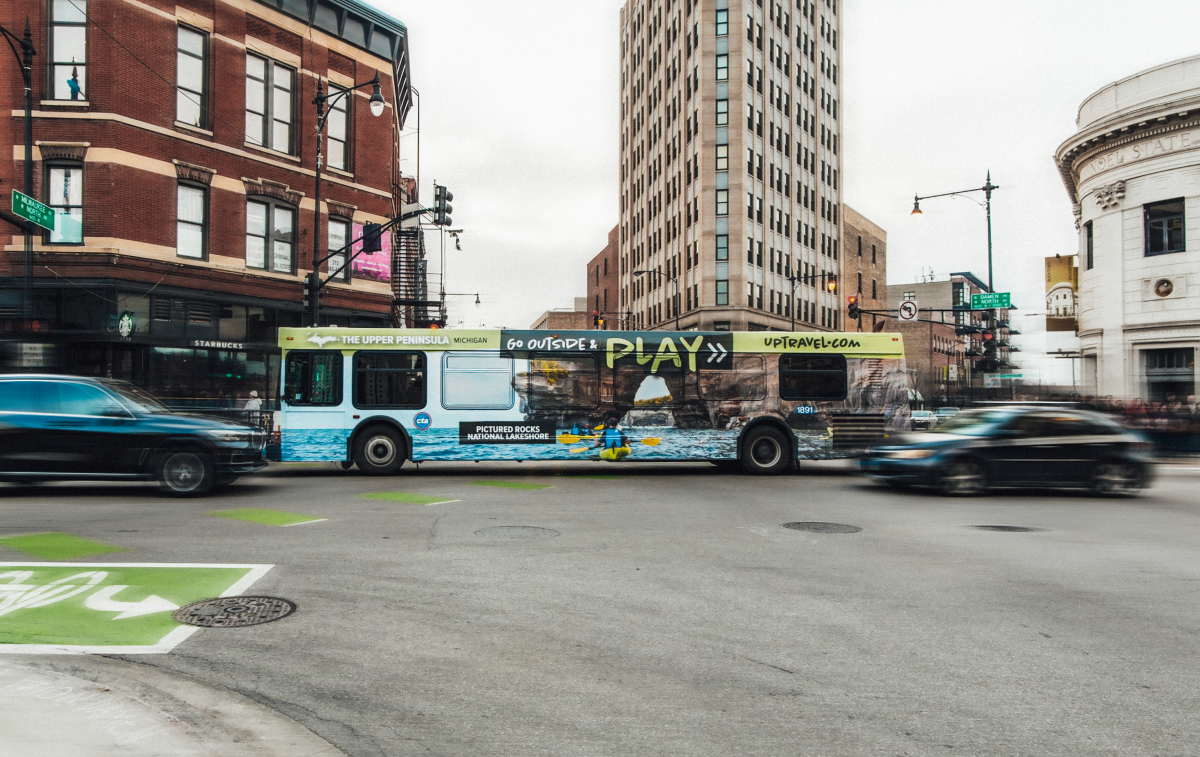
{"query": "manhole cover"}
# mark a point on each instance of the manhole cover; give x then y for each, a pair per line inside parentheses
(823, 528)
(1009, 529)
(231, 612)
(517, 532)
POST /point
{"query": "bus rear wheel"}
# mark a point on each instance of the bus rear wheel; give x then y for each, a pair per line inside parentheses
(379, 451)
(765, 452)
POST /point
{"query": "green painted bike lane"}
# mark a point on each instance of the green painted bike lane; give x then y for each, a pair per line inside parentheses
(118, 608)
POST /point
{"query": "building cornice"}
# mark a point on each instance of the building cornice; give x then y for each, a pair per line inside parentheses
(1084, 147)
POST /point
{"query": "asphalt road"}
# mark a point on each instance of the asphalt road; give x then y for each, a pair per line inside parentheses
(667, 611)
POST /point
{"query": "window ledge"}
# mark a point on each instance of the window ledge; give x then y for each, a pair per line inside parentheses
(196, 129)
(339, 172)
(269, 151)
(65, 103)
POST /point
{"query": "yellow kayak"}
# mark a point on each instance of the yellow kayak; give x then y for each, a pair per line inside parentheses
(613, 454)
(573, 438)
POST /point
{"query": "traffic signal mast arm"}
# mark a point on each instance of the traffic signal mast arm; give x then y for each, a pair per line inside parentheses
(366, 228)
(895, 314)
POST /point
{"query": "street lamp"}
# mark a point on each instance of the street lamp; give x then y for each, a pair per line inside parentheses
(321, 101)
(987, 188)
(830, 280)
(25, 61)
(668, 278)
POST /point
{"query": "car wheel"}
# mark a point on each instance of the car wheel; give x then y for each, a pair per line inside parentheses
(765, 452)
(379, 451)
(186, 473)
(962, 478)
(1112, 478)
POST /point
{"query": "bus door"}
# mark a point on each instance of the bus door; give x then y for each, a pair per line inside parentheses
(312, 418)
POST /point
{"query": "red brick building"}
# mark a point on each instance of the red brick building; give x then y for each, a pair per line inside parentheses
(176, 143)
(604, 284)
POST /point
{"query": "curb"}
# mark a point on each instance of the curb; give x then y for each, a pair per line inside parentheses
(102, 706)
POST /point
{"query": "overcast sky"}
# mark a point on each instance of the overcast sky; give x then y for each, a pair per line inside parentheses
(521, 109)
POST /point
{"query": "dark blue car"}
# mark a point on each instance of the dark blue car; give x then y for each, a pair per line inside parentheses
(1016, 446)
(55, 428)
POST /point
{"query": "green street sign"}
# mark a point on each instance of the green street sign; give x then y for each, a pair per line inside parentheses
(107, 608)
(31, 210)
(989, 300)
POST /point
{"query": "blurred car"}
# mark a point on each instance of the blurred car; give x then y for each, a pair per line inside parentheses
(945, 412)
(75, 428)
(923, 420)
(1016, 446)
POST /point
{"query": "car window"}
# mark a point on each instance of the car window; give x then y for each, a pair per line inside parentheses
(137, 397)
(84, 399)
(971, 423)
(1029, 426)
(29, 397)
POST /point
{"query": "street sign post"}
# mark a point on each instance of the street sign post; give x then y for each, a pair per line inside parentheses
(31, 210)
(989, 300)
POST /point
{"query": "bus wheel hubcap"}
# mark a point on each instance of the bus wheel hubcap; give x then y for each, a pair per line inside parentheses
(381, 450)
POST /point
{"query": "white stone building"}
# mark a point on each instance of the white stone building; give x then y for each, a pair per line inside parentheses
(1132, 171)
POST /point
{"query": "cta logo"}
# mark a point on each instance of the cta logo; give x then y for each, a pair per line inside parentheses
(422, 421)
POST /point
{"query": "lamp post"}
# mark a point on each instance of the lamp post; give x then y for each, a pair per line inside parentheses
(830, 280)
(674, 279)
(25, 61)
(987, 188)
(321, 101)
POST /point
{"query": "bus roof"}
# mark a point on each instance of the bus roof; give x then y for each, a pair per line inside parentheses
(851, 344)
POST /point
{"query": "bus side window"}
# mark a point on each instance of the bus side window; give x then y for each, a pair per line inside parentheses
(313, 378)
(477, 381)
(563, 380)
(389, 379)
(812, 377)
(745, 381)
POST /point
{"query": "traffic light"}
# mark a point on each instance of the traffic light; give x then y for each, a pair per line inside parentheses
(989, 363)
(831, 284)
(312, 293)
(596, 318)
(372, 237)
(852, 307)
(441, 205)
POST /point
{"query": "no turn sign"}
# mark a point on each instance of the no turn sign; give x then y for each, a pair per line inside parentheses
(909, 310)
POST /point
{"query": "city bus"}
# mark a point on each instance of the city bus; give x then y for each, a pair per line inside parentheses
(376, 398)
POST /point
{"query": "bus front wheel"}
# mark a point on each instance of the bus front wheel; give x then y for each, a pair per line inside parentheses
(379, 451)
(765, 452)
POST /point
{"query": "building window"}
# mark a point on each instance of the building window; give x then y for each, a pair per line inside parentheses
(873, 260)
(68, 49)
(722, 247)
(722, 157)
(64, 193)
(337, 128)
(722, 67)
(270, 236)
(339, 235)
(191, 223)
(722, 23)
(1164, 227)
(1088, 242)
(191, 105)
(722, 112)
(722, 202)
(269, 87)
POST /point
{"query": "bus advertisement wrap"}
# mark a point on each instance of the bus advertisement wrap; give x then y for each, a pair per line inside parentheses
(586, 395)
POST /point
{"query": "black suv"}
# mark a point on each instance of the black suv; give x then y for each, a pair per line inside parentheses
(73, 428)
(1016, 446)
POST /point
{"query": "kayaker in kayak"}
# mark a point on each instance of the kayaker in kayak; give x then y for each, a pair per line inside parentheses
(612, 437)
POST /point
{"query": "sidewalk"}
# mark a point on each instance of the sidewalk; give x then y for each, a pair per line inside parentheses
(52, 706)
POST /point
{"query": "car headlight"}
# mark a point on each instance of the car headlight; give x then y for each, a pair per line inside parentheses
(229, 436)
(912, 454)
